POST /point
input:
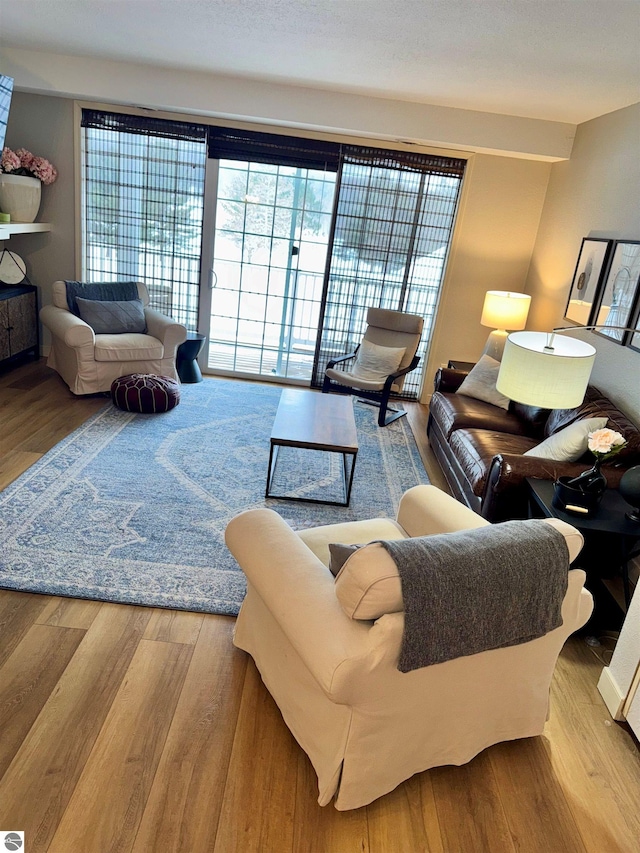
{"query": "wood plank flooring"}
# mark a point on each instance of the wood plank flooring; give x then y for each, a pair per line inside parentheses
(138, 729)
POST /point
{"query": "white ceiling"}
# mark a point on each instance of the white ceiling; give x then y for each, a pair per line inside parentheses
(564, 60)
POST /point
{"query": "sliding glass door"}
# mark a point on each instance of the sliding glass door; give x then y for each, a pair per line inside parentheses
(272, 246)
(272, 226)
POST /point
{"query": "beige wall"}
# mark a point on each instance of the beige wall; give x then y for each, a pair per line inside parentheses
(494, 236)
(44, 125)
(594, 194)
(243, 99)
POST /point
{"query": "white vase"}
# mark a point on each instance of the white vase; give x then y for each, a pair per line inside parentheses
(20, 197)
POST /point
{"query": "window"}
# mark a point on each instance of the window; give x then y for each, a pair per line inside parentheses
(391, 234)
(143, 191)
(295, 264)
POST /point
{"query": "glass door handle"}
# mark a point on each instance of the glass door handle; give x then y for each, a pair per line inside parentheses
(213, 279)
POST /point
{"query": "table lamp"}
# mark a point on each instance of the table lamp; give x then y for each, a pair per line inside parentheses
(503, 310)
(542, 369)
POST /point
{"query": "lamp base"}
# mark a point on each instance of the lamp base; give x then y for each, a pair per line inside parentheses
(494, 346)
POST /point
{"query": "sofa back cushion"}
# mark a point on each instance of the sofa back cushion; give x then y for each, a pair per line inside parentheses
(596, 405)
(533, 418)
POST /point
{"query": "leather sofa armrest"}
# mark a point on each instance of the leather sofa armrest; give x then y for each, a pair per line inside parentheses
(448, 380)
(509, 470)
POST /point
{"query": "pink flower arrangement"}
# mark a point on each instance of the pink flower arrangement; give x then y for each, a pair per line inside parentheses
(23, 162)
(604, 443)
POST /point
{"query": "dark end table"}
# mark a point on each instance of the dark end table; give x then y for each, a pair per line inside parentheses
(186, 358)
(609, 524)
(454, 364)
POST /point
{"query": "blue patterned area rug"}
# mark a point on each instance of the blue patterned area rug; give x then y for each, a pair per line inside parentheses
(132, 508)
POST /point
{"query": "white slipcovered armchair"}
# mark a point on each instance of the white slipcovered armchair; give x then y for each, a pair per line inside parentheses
(89, 362)
(365, 725)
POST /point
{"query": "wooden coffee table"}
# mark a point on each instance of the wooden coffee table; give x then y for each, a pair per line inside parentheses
(315, 421)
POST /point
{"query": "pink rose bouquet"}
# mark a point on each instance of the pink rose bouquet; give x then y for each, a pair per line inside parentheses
(604, 443)
(23, 162)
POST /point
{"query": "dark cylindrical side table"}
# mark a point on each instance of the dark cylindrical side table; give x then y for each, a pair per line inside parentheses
(186, 364)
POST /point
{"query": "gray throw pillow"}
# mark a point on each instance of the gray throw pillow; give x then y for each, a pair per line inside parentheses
(113, 318)
(339, 554)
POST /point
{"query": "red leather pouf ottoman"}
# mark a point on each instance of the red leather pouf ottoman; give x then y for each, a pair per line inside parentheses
(145, 392)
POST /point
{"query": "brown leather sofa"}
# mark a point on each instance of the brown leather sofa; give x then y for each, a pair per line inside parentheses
(480, 447)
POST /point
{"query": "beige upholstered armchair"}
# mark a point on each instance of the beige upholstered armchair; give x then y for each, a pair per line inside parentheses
(327, 650)
(89, 362)
(378, 366)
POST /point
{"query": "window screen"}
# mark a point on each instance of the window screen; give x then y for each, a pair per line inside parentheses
(390, 238)
(143, 191)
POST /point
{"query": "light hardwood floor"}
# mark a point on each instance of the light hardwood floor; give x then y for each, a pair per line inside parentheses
(133, 729)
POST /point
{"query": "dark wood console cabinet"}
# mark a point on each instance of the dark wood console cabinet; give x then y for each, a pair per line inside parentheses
(18, 322)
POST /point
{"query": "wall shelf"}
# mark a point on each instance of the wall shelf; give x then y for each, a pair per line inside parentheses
(8, 229)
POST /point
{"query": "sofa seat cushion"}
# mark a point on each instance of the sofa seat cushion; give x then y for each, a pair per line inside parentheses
(128, 347)
(457, 411)
(475, 448)
(350, 380)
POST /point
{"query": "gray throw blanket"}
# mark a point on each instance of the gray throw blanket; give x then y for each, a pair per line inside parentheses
(473, 590)
(100, 291)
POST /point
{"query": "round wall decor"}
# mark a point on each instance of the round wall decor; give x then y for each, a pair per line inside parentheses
(12, 268)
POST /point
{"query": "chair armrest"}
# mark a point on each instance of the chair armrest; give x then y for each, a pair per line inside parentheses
(66, 326)
(342, 358)
(391, 378)
(448, 380)
(299, 592)
(424, 510)
(165, 329)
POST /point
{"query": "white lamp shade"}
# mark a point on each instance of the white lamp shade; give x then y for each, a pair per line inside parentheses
(505, 310)
(554, 378)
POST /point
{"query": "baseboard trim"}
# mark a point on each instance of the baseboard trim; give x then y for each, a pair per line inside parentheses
(611, 693)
